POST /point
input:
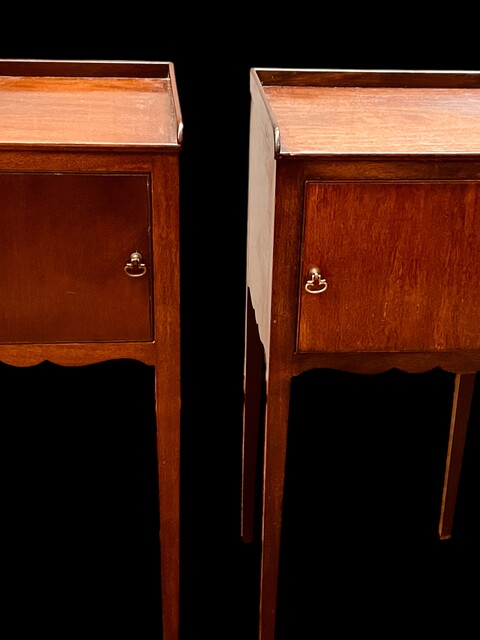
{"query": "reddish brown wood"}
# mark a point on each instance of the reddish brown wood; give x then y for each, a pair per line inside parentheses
(252, 415)
(343, 120)
(399, 259)
(89, 174)
(94, 108)
(374, 177)
(462, 399)
(276, 431)
(87, 69)
(362, 78)
(56, 290)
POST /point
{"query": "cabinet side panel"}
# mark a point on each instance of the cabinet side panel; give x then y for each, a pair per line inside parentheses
(261, 205)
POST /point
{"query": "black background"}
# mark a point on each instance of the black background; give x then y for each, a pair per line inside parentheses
(366, 454)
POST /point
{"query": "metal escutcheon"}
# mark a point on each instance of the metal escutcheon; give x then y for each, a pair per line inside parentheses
(135, 268)
(316, 284)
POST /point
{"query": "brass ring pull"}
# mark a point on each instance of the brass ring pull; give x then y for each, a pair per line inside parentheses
(316, 284)
(135, 268)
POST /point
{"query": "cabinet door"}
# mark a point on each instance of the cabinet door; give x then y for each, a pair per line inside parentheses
(401, 261)
(65, 241)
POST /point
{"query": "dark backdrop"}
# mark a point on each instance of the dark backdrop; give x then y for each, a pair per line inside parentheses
(360, 552)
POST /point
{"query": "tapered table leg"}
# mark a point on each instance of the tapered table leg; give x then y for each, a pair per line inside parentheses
(168, 449)
(462, 399)
(275, 446)
(252, 414)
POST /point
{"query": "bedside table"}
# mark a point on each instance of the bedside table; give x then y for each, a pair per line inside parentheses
(363, 253)
(89, 218)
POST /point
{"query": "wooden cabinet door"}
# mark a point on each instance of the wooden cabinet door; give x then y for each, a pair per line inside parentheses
(402, 265)
(65, 241)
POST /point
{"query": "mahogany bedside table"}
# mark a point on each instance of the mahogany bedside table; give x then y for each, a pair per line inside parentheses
(89, 220)
(363, 253)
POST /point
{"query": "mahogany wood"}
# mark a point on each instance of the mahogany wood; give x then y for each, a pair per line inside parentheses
(89, 174)
(373, 177)
(55, 290)
(253, 380)
(462, 399)
(399, 257)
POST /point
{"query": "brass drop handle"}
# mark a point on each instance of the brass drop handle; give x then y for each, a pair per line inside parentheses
(316, 284)
(135, 268)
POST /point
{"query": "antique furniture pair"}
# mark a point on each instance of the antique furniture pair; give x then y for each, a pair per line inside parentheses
(340, 162)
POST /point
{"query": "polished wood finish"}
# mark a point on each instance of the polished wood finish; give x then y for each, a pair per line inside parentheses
(399, 258)
(89, 174)
(340, 120)
(54, 290)
(462, 400)
(88, 104)
(373, 177)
